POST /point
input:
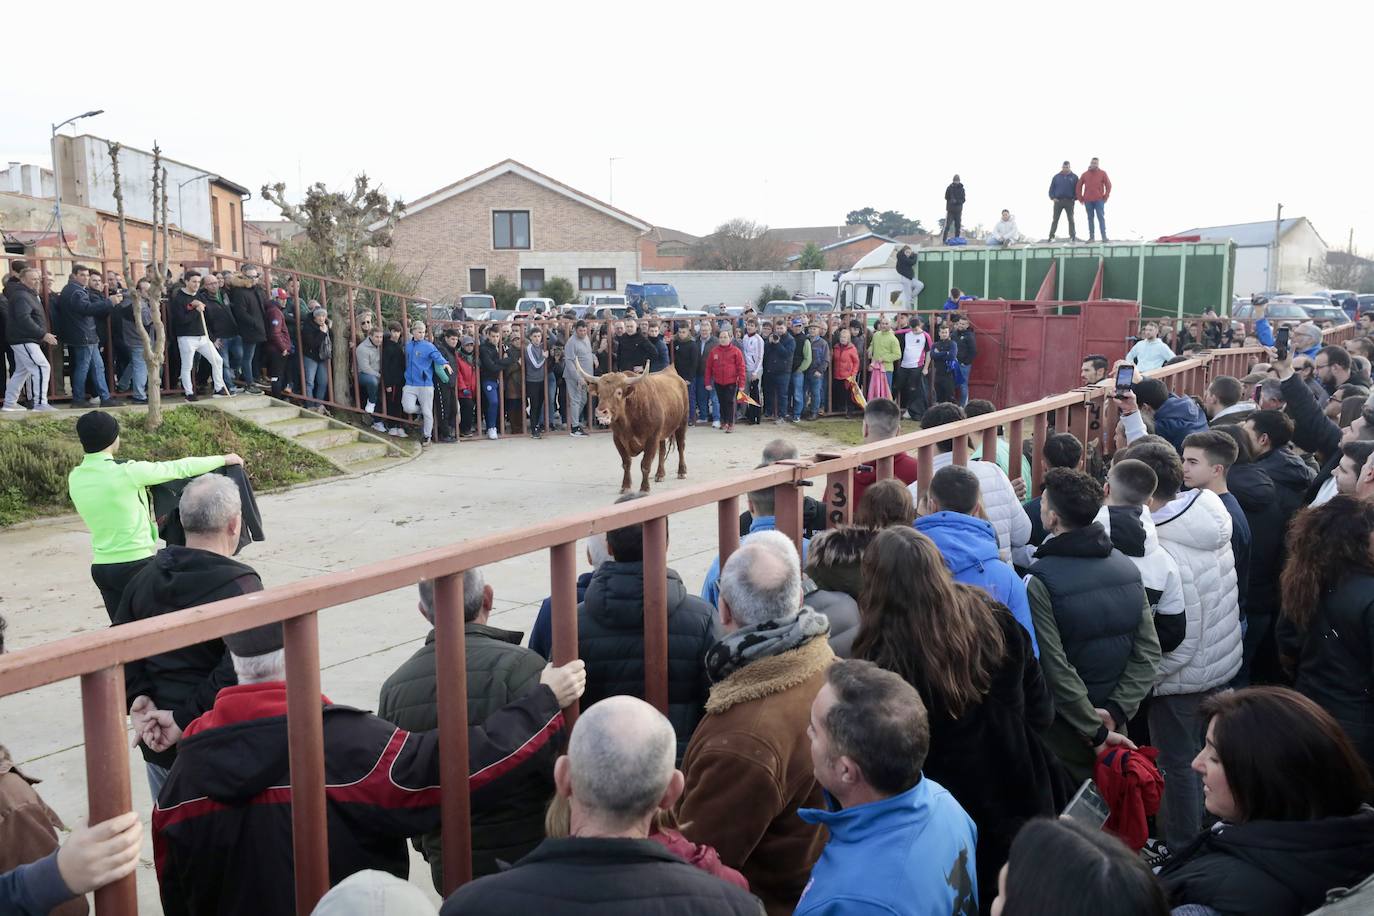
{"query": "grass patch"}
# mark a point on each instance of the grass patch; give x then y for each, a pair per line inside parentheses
(36, 455)
(844, 432)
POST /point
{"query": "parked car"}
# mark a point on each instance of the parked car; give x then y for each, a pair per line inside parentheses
(535, 306)
(797, 306)
(475, 304)
(596, 300)
(651, 297)
(494, 315)
(1276, 311)
(1366, 301)
(604, 312)
(1318, 308)
(1335, 296)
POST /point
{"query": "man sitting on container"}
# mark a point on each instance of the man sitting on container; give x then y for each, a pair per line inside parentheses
(222, 826)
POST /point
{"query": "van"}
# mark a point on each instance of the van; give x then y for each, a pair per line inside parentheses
(651, 297)
(535, 306)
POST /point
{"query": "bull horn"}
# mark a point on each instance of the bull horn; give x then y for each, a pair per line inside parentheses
(582, 372)
(641, 377)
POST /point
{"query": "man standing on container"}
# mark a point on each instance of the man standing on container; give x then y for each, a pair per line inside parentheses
(954, 210)
(1063, 188)
(1093, 189)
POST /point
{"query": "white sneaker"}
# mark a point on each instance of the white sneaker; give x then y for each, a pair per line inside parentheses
(715, 424)
(379, 426)
(370, 406)
(17, 408)
(44, 408)
(397, 432)
(491, 433)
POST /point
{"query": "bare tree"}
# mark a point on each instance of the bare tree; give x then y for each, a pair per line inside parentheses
(153, 347)
(1341, 270)
(339, 227)
(739, 244)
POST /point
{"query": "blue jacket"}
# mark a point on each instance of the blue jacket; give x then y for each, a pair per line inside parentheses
(660, 360)
(1063, 187)
(75, 315)
(710, 589)
(777, 357)
(1177, 417)
(33, 889)
(422, 359)
(969, 546)
(909, 855)
(1264, 332)
(541, 634)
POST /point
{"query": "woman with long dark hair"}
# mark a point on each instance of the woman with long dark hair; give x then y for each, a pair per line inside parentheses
(1290, 791)
(1326, 626)
(973, 666)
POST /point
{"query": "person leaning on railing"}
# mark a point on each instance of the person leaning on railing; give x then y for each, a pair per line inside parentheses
(112, 499)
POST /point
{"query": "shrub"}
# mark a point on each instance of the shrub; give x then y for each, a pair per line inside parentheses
(559, 289)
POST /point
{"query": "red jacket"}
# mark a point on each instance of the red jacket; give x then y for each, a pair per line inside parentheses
(845, 359)
(725, 366)
(465, 378)
(278, 338)
(1094, 185)
(222, 825)
(903, 469)
(1131, 786)
(703, 857)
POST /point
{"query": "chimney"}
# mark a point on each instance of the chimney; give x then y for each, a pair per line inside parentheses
(14, 177)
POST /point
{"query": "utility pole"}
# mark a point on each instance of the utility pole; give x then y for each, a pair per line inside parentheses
(1274, 272)
(610, 168)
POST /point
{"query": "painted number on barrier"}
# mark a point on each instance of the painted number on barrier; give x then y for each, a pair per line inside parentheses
(838, 500)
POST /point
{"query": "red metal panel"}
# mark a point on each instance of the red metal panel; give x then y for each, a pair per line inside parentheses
(305, 737)
(656, 613)
(563, 608)
(107, 772)
(1103, 329)
(455, 806)
(727, 527)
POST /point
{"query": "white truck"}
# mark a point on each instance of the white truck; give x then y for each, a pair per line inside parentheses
(870, 283)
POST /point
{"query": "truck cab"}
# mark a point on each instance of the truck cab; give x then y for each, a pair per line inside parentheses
(872, 281)
(650, 297)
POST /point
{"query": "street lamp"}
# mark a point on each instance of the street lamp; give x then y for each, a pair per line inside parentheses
(57, 171)
(610, 168)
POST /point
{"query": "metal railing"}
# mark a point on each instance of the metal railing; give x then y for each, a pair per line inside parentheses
(97, 657)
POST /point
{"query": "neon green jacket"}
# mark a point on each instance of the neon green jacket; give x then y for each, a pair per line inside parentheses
(112, 499)
(887, 348)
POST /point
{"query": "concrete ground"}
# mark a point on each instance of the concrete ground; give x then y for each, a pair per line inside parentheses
(449, 494)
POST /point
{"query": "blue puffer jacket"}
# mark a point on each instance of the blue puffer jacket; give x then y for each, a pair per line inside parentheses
(1063, 187)
(969, 546)
(1177, 417)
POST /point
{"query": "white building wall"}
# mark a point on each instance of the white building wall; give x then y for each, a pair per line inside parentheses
(187, 207)
(739, 287)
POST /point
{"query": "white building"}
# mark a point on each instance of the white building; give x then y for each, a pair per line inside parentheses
(1301, 250)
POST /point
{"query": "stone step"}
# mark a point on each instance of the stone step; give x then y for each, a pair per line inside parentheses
(298, 426)
(322, 439)
(354, 452)
(372, 464)
(240, 403)
(265, 415)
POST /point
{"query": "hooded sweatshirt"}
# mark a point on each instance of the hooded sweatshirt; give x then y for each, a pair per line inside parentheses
(1272, 868)
(1177, 417)
(1195, 528)
(969, 548)
(1133, 533)
(912, 853)
(184, 681)
(1291, 476)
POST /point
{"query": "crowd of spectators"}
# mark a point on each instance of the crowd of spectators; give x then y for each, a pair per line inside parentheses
(886, 720)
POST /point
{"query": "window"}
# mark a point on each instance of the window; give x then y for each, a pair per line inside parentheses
(214, 217)
(233, 226)
(143, 252)
(596, 278)
(531, 281)
(477, 279)
(510, 229)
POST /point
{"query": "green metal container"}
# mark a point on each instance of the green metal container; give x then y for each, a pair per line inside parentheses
(1166, 278)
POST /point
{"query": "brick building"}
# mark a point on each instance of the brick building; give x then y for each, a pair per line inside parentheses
(511, 221)
(666, 249)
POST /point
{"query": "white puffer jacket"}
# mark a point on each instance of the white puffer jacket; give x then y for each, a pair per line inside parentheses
(1000, 504)
(1195, 529)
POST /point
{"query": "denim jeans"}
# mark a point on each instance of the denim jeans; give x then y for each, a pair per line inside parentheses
(1096, 207)
(813, 403)
(369, 385)
(231, 351)
(491, 403)
(157, 778)
(245, 362)
(136, 374)
(691, 402)
(316, 380)
(796, 392)
(87, 364)
(775, 394)
(708, 407)
(1177, 732)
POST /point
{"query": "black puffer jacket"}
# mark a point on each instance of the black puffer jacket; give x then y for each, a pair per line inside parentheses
(23, 315)
(1258, 498)
(1271, 868)
(608, 876)
(183, 316)
(1291, 476)
(249, 301)
(610, 639)
(1335, 656)
(219, 317)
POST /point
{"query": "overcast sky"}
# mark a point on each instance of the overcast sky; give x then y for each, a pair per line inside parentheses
(786, 113)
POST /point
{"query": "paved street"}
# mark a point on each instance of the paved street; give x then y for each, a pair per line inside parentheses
(451, 493)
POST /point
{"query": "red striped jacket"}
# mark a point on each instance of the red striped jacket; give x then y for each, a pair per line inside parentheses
(222, 825)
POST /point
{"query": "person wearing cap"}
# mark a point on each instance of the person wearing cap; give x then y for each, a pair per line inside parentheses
(801, 361)
(465, 383)
(222, 824)
(112, 499)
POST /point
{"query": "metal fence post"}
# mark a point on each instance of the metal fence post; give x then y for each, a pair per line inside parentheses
(107, 772)
(455, 804)
(305, 734)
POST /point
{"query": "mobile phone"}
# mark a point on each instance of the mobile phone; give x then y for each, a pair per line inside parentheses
(1258, 388)
(1281, 342)
(1125, 378)
(1088, 806)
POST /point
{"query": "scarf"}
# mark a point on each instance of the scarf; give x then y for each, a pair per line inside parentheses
(536, 357)
(773, 637)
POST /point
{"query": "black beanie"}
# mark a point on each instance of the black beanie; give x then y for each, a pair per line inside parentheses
(257, 641)
(97, 431)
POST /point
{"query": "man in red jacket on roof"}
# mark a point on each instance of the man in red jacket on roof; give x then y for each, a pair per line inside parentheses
(1094, 188)
(222, 824)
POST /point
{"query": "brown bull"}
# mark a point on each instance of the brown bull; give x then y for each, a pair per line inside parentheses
(645, 412)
